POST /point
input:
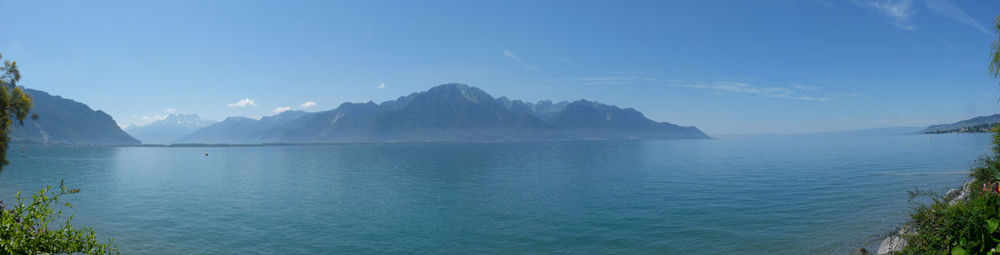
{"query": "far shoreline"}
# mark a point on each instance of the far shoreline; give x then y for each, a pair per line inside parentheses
(221, 145)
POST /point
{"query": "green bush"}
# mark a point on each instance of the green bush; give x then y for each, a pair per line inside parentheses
(29, 228)
(968, 225)
(963, 227)
(25, 229)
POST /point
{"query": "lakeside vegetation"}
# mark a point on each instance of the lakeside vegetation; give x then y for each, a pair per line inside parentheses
(30, 226)
(957, 225)
(961, 226)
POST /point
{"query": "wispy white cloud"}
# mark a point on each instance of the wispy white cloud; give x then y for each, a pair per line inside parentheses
(949, 9)
(307, 104)
(746, 88)
(153, 118)
(843, 94)
(243, 103)
(898, 12)
(147, 119)
(512, 56)
(381, 85)
(281, 109)
(793, 92)
(613, 80)
(805, 87)
(901, 12)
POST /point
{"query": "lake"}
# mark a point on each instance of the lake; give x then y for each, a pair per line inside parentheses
(749, 195)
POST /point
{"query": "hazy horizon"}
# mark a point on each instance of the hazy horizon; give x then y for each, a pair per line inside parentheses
(782, 67)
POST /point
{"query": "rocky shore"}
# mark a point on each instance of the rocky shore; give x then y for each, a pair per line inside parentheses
(895, 241)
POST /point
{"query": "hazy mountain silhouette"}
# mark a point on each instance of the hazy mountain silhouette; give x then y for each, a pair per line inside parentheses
(977, 124)
(446, 113)
(65, 121)
(236, 130)
(169, 129)
(593, 120)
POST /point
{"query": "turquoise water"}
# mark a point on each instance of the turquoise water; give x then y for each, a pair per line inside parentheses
(775, 195)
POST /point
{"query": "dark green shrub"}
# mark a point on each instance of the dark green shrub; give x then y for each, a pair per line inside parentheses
(963, 227)
(29, 228)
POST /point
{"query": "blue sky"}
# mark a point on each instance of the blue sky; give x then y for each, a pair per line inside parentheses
(727, 67)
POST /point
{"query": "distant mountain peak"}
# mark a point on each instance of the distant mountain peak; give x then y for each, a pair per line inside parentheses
(448, 112)
(453, 85)
(472, 94)
(168, 129)
(185, 118)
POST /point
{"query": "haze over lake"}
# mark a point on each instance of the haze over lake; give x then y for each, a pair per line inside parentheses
(500, 127)
(773, 195)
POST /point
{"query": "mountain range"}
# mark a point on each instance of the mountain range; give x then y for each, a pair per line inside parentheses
(64, 121)
(446, 113)
(169, 129)
(242, 130)
(977, 124)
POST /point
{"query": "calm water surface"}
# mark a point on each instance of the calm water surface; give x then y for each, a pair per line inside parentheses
(773, 195)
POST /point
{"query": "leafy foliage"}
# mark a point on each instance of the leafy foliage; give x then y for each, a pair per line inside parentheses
(26, 229)
(968, 226)
(962, 227)
(995, 56)
(14, 105)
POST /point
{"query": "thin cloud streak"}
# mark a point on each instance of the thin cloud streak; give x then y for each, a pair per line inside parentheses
(899, 12)
(843, 94)
(793, 92)
(805, 87)
(612, 80)
(746, 88)
(948, 9)
(512, 56)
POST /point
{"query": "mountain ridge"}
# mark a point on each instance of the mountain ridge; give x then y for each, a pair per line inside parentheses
(971, 125)
(169, 129)
(65, 121)
(450, 112)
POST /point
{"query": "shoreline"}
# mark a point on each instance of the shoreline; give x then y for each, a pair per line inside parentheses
(199, 145)
(896, 241)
